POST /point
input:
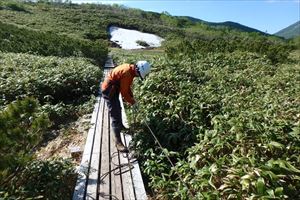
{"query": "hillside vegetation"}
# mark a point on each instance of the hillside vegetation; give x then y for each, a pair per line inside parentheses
(223, 103)
(232, 123)
(228, 120)
(23, 40)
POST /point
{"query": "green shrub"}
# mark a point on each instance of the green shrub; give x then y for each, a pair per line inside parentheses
(16, 6)
(295, 42)
(52, 179)
(21, 129)
(62, 85)
(49, 79)
(275, 50)
(24, 40)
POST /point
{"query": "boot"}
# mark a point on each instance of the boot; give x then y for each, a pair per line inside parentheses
(119, 144)
(121, 147)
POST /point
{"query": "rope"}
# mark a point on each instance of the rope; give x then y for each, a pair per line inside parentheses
(163, 150)
(118, 167)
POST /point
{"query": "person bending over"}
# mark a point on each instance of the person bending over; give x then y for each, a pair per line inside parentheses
(119, 80)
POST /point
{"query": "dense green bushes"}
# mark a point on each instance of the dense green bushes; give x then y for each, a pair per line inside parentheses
(295, 42)
(232, 120)
(85, 21)
(51, 179)
(61, 85)
(21, 129)
(16, 6)
(24, 40)
(49, 79)
(275, 50)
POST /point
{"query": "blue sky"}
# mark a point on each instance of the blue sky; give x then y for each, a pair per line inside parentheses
(265, 15)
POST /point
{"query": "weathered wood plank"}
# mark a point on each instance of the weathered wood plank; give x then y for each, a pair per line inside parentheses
(104, 192)
(91, 192)
(116, 186)
(126, 175)
(137, 179)
(83, 170)
(94, 114)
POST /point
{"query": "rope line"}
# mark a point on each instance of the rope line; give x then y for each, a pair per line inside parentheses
(163, 150)
(118, 166)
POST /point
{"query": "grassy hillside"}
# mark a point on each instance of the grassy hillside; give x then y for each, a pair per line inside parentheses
(24, 40)
(91, 21)
(85, 21)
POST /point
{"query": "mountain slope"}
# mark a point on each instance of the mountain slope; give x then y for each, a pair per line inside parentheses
(290, 31)
(228, 24)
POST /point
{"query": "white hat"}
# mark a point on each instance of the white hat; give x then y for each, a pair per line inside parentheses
(143, 68)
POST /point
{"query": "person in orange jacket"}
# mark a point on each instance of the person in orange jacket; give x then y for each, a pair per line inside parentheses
(119, 80)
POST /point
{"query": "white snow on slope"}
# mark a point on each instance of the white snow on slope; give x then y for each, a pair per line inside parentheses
(127, 38)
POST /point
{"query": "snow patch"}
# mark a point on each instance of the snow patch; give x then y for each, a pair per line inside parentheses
(127, 38)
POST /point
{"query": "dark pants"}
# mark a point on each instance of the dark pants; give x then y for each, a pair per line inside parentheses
(114, 107)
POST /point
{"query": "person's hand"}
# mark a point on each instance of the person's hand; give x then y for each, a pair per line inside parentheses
(135, 107)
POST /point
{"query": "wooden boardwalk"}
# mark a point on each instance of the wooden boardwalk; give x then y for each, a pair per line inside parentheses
(105, 173)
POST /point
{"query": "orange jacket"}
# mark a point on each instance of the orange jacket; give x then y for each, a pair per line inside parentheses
(124, 74)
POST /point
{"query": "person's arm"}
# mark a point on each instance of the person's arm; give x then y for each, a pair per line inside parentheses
(125, 89)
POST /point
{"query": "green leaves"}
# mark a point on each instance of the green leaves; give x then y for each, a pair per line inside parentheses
(275, 50)
(20, 40)
(21, 128)
(236, 132)
(274, 144)
(260, 186)
(49, 79)
(282, 165)
(52, 179)
(60, 84)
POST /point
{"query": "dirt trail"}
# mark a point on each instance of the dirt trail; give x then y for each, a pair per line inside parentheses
(74, 135)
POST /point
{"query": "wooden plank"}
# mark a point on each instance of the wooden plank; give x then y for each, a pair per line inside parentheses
(138, 184)
(104, 192)
(109, 63)
(116, 185)
(137, 179)
(91, 192)
(95, 111)
(83, 170)
(127, 184)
